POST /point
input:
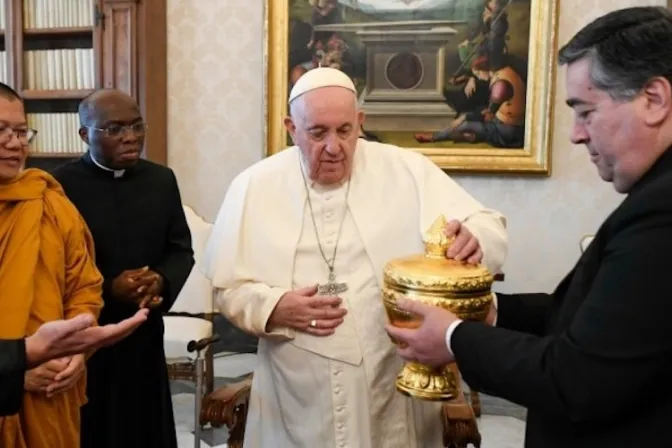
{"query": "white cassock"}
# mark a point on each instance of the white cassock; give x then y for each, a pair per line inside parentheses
(335, 391)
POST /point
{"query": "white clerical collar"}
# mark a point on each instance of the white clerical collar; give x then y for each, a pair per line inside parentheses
(117, 173)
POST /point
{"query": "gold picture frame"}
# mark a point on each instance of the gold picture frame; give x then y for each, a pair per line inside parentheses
(533, 158)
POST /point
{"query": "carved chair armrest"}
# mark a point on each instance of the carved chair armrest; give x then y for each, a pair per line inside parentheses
(227, 405)
(197, 346)
(459, 433)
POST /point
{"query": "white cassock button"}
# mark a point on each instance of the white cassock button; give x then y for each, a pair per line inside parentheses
(337, 390)
(329, 214)
(339, 409)
(340, 426)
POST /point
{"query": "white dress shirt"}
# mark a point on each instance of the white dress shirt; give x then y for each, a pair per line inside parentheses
(454, 325)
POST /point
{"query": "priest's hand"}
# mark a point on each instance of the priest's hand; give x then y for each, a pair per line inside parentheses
(69, 376)
(465, 247)
(131, 285)
(303, 310)
(427, 343)
(151, 297)
(38, 379)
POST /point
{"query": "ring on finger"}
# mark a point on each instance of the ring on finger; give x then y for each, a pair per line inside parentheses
(313, 323)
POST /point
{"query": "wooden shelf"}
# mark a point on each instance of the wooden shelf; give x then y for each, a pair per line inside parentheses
(128, 52)
(77, 94)
(55, 155)
(49, 32)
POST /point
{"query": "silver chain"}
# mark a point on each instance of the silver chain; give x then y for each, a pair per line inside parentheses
(330, 262)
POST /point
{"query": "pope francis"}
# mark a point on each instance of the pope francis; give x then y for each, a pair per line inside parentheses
(297, 255)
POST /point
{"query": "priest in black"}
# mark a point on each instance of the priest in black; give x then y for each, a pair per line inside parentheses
(143, 249)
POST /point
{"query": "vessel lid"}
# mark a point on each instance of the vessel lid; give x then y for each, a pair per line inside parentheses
(433, 272)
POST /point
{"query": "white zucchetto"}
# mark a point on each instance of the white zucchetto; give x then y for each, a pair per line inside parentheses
(318, 78)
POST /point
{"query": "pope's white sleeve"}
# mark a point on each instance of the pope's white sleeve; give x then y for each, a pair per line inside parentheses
(489, 228)
(249, 306)
(439, 193)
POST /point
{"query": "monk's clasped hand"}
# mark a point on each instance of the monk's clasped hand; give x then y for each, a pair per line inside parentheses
(39, 378)
(69, 376)
(465, 247)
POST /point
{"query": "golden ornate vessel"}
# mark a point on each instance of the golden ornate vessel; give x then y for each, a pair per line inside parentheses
(462, 288)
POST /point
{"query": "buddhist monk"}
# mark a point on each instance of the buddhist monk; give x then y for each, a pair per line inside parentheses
(331, 211)
(47, 273)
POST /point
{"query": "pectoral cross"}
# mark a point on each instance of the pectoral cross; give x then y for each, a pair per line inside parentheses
(332, 288)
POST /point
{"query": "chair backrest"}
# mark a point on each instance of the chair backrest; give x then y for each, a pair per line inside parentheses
(197, 294)
(585, 242)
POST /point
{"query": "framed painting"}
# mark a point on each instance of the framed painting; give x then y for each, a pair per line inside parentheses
(468, 83)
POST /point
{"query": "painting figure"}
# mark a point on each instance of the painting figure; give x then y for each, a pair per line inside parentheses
(486, 37)
(502, 122)
(324, 12)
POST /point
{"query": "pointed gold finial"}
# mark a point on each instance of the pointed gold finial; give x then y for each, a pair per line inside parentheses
(435, 239)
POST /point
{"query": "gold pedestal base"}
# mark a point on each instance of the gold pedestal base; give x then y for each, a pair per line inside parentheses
(425, 383)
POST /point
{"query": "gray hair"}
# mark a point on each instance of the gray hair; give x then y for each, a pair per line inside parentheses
(627, 49)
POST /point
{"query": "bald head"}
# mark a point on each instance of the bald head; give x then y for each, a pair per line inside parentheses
(112, 126)
(101, 102)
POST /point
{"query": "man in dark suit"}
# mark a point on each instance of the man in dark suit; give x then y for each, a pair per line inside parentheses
(591, 361)
(53, 340)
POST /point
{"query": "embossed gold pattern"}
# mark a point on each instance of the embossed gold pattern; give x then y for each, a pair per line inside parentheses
(431, 278)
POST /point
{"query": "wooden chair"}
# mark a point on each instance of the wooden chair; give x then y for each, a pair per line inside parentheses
(188, 325)
(228, 406)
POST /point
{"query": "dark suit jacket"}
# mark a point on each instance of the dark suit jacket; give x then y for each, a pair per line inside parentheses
(12, 369)
(592, 361)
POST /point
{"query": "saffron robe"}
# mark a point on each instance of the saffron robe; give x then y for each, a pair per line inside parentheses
(47, 272)
(339, 390)
(136, 220)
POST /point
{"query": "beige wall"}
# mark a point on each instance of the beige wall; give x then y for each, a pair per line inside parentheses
(216, 129)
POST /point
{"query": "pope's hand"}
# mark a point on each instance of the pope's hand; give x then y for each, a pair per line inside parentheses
(427, 343)
(300, 308)
(465, 247)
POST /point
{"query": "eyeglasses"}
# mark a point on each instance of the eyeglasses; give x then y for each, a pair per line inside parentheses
(25, 135)
(117, 130)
